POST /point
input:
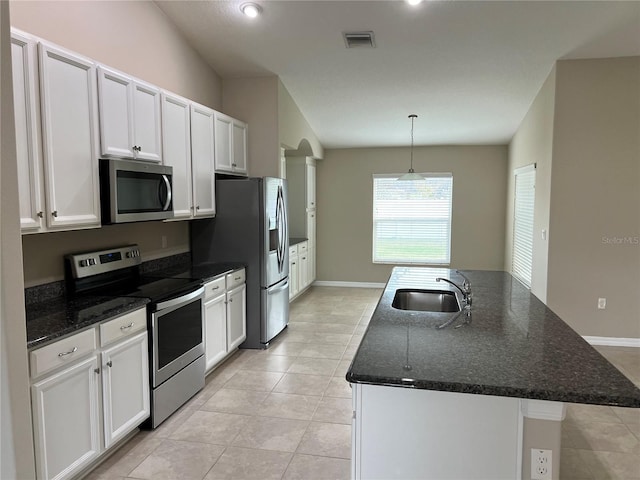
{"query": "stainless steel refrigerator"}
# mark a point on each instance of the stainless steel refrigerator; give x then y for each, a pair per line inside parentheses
(251, 227)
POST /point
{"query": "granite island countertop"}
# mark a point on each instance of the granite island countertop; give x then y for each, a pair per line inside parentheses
(514, 346)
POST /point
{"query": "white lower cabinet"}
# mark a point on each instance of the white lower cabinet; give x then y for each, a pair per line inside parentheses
(215, 314)
(302, 268)
(89, 397)
(293, 271)
(225, 316)
(66, 420)
(236, 316)
(125, 391)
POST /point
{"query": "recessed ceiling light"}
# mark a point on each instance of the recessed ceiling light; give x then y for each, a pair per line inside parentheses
(414, 2)
(250, 9)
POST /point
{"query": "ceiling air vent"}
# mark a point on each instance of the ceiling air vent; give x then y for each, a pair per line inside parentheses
(359, 39)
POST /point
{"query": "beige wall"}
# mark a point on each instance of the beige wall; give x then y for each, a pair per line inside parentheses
(16, 443)
(344, 197)
(275, 121)
(533, 143)
(595, 196)
(133, 36)
(255, 101)
(46, 251)
(137, 38)
(293, 127)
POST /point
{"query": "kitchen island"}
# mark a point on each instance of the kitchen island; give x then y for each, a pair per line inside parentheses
(467, 388)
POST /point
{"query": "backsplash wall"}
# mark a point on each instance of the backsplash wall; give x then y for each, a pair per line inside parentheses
(43, 253)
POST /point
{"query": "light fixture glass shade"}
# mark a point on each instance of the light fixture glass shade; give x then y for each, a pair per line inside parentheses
(411, 175)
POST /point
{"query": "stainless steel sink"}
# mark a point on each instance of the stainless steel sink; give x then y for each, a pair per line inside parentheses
(426, 300)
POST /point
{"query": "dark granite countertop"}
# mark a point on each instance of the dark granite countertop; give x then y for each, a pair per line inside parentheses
(204, 271)
(296, 240)
(514, 346)
(52, 319)
(51, 315)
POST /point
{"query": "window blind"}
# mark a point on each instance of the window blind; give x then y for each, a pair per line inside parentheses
(525, 195)
(412, 219)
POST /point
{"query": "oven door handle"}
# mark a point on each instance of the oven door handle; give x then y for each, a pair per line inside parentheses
(174, 302)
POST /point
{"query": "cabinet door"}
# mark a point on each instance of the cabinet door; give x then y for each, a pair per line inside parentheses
(293, 276)
(116, 112)
(70, 135)
(311, 228)
(311, 265)
(146, 122)
(223, 129)
(303, 270)
(202, 160)
(236, 317)
(215, 330)
(66, 419)
(27, 122)
(125, 387)
(239, 147)
(176, 139)
(311, 185)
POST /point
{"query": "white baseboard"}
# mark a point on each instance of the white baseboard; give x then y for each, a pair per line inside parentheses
(613, 342)
(328, 283)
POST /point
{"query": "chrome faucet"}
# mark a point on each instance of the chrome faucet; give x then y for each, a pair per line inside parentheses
(465, 289)
(466, 293)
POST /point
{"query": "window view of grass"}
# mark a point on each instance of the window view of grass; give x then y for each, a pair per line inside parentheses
(412, 220)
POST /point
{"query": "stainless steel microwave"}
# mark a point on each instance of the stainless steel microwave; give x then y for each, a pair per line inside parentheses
(132, 191)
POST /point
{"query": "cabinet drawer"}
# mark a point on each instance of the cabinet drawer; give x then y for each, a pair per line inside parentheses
(214, 288)
(293, 251)
(235, 278)
(123, 326)
(62, 352)
(303, 247)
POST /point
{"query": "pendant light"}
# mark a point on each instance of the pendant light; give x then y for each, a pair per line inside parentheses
(411, 175)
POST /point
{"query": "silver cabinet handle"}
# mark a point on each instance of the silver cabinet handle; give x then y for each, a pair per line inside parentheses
(215, 288)
(97, 370)
(124, 327)
(237, 278)
(64, 354)
(109, 364)
(54, 213)
(231, 300)
(40, 214)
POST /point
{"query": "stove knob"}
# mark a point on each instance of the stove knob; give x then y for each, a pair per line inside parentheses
(92, 261)
(129, 254)
(84, 263)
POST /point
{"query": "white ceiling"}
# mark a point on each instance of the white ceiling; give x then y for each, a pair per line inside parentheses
(468, 69)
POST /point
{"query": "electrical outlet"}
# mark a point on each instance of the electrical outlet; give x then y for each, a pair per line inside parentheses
(602, 303)
(541, 464)
(164, 241)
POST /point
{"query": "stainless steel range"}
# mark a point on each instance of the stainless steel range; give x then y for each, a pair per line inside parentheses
(174, 316)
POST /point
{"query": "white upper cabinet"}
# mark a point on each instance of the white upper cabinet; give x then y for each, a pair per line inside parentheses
(129, 117)
(239, 142)
(28, 136)
(176, 148)
(231, 145)
(70, 136)
(202, 160)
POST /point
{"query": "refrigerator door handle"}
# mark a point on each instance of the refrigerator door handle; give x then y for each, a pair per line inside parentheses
(281, 222)
(273, 291)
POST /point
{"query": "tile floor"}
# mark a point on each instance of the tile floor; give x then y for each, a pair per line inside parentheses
(285, 413)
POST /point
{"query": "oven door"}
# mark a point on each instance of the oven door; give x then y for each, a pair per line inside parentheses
(176, 330)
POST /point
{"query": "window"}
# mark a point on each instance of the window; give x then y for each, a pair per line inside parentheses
(412, 219)
(525, 195)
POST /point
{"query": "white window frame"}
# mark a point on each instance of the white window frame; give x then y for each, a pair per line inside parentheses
(445, 261)
(523, 218)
